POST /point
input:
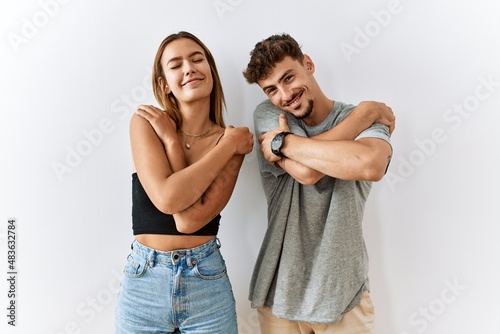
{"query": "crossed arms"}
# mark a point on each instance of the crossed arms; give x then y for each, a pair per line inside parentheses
(335, 153)
(193, 193)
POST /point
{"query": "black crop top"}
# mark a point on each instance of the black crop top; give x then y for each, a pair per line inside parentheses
(147, 219)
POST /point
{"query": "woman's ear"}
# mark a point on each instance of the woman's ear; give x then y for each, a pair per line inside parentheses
(163, 84)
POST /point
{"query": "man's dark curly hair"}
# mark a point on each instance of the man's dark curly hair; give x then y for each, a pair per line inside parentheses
(267, 53)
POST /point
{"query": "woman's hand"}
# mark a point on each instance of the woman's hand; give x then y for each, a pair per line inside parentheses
(164, 125)
(241, 137)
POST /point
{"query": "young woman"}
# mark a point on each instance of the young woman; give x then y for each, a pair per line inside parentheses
(186, 163)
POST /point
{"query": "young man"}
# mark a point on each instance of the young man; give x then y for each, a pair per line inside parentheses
(318, 159)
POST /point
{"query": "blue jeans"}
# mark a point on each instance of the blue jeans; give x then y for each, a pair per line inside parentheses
(182, 291)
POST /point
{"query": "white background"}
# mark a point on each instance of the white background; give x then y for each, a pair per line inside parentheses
(72, 73)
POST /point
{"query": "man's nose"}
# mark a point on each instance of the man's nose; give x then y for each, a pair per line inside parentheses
(286, 93)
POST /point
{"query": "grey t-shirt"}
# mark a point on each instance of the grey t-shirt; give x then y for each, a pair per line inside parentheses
(313, 264)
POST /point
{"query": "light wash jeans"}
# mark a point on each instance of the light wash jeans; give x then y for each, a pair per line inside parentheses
(182, 291)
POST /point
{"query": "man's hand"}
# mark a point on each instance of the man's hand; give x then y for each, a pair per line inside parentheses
(266, 138)
(379, 112)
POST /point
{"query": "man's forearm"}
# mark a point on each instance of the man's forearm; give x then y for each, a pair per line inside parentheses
(348, 129)
(355, 123)
(302, 174)
(365, 159)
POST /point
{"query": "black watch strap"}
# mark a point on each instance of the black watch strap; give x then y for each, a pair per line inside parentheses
(277, 143)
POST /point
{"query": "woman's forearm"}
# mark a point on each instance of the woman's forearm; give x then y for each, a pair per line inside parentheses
(212, 201)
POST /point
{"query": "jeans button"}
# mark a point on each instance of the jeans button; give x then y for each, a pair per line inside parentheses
(176, 256)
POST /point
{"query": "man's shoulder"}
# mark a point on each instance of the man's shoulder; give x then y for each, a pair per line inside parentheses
(340, 111)
(265, 116)
(266, 106)
(340, 107)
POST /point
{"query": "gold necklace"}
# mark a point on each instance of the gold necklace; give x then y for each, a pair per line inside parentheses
(196, 136)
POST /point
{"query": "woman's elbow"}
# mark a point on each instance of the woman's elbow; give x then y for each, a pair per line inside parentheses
(185, 228)
(188, 226)
(167, 205)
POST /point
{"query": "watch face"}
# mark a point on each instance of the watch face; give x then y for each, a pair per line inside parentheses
(276, 144)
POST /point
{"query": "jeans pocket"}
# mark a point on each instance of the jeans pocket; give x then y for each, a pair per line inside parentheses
(135, 268)
(211, 267)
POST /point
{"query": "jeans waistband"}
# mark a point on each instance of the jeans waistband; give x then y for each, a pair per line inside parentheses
(156, 256)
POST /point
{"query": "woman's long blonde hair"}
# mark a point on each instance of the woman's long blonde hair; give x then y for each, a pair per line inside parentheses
(169, 102)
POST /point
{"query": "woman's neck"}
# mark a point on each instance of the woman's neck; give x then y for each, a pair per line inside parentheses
(196, 116)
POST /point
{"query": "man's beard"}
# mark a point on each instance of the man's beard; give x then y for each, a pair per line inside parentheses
(308, 111)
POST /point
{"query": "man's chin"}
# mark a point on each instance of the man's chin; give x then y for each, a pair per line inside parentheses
(300, 115)
(303, 113)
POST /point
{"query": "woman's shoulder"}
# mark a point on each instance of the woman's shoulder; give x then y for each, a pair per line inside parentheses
(216, 133)
(137, 120)
(139, 126)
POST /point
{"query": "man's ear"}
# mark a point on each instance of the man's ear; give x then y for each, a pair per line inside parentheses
(308, 63)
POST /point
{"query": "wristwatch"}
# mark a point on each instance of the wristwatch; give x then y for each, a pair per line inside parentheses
(277, 143)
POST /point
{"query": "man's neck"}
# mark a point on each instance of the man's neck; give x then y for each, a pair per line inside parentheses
(321, 109)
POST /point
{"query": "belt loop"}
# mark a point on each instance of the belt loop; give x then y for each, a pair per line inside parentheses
(151, 258)
(188, 258)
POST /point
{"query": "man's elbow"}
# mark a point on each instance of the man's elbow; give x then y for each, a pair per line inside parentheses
(308, 177)
(374, 166)
(374, 177)
(374, 173)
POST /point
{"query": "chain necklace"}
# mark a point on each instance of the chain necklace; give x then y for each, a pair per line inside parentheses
(196, 136)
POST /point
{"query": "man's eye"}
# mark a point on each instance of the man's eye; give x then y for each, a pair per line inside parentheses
(288, 78)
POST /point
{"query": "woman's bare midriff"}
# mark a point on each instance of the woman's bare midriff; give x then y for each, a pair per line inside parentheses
(169, 243)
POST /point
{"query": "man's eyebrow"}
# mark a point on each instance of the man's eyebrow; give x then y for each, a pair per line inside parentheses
(195, 53)
(279, 80)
